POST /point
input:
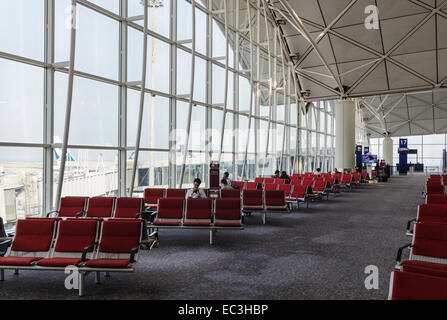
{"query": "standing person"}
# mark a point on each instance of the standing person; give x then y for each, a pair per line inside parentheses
(196, 192)
(285, 176)
(226, 176)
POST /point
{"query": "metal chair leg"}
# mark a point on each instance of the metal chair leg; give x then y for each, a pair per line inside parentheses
(81, 284)
(98, 277)
(211, 236)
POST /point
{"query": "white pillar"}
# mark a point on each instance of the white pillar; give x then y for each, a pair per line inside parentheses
(388, 150)
(345, 134)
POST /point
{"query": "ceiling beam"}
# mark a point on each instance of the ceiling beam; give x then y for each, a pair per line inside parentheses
(303, 29)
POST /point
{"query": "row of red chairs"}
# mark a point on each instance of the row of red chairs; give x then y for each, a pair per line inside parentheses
(198, 213)
(424, 274)
(98, 207)
(91, 245)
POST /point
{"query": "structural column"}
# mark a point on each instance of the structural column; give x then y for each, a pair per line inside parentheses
(388, 150)
(345, 137)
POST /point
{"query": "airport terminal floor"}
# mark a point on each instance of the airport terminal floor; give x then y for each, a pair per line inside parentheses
(319, 252)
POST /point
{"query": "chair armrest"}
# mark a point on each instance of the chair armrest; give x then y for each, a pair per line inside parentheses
(4, 241)
(399, 252)
(146, 215)
(80, 214)
(133, 252)
(48, 214)
(409, 224)
(154, 235)
(86, 249)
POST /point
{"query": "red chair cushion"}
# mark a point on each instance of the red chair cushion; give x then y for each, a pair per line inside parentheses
(59, 262)
(17, 261)
(108, 263)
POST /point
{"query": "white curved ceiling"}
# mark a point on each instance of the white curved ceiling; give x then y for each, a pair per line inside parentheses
(335, 56)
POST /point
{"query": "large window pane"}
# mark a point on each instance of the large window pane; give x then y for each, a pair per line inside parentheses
(158, 16)
(90, 173)
(158, 61)
(97, 41)
(22, 24)
(21, 102)
(94, 114)
(155, 125)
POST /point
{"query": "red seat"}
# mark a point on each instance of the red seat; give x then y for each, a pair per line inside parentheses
(319, 186)
(436, 198)
(18, 261)
(108, 263)
(70, 206)
(72, 237)
(298, 193)
(270, 187)
(239, 184)
(286, 188)
(198, 212)
(269, 180)
(429, 268)
(119, 238)
(151, 196)
(251, 186)
(128, 208)
(60, 262)
(100, 207)
(252, 200)
(429, 246)
(170, 212)
(259, 180)
(32, 242)
(308, 182)
(433, 213)
(280, 181)
(227, 213)
(176, 193)
(414, 286)
(435, 189)
(275, 201)
(229, 193)
(346, 181)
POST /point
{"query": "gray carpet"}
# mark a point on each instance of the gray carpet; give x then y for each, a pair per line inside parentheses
(315, 253)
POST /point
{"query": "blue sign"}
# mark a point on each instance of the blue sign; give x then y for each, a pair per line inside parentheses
(403, 157)
(366, 150)
(358, 156)
(403, 143)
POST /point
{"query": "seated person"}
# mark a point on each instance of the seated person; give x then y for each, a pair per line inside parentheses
(276, 174)
(285, 177)
(196, 192)
(224, 185)
(226, 176)
(318, 172)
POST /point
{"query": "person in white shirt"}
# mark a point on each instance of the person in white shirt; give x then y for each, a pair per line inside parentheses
(196, 192)
(226, 176)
